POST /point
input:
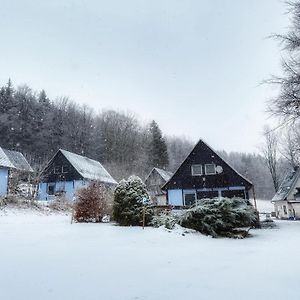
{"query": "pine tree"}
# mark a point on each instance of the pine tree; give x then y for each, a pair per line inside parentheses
(128, 203)
(220, 217)
(8, 116)
(157, 150)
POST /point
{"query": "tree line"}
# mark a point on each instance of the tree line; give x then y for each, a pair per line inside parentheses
(37, 126)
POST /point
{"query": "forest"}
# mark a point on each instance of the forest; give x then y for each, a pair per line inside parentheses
(37, 126)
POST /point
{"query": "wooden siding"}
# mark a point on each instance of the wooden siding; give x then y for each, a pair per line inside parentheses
(59, 161)
(202, 154)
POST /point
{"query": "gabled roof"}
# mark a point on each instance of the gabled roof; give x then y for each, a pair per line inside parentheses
(287, 186)
(215, 153)
(165, 175)
(88, 168)
(14, 160)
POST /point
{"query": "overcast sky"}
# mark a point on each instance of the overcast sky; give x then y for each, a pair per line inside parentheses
(195, 66)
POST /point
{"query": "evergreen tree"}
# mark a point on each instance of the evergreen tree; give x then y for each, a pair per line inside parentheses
(128, 203)
(8, 115)
(157, 151)
(220, 217)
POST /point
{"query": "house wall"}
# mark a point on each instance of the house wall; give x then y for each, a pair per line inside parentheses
(3, 181)
(161, 200)
(294, 191)
(288, 209)
(281, 212)
(153, 183)
(294, 210)
(66, 188)
(175, 197)
(178, 197)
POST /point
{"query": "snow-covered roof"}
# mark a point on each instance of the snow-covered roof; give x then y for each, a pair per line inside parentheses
(88, 168)
(14, 160)
(166, 175)
(287, 185)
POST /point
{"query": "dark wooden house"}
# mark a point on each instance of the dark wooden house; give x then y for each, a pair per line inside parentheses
(12, 165)
(204, 174)
(66, 172)
(154, 182)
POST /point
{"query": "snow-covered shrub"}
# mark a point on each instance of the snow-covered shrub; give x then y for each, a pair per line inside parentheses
(60, 204)
(166, 219)
(91, 203)
(220, 217)
(128, 203)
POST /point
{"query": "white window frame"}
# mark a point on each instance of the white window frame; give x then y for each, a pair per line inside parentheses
(57, 170)
(205, 167)
(191, 193)
(192, 169)
(63, 169)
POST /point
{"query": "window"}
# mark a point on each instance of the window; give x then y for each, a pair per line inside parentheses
(284, 209)
(207, 194)
(233, 194)
(51, 189)
(65, 169)
(210, 169)
(196, 170)
(57, 170)
(189, 199)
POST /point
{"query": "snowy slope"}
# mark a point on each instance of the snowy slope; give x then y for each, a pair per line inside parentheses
(46, 257)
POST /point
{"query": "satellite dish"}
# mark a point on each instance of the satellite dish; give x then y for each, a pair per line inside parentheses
(219, 169)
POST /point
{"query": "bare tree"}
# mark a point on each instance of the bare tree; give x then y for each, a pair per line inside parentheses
(290, 145)
(287, 103)
(270, 153)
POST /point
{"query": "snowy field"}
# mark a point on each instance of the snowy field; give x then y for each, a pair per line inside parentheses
(46, 257)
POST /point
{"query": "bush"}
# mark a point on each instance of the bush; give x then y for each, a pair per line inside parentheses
(61, 204)
(166, 219)
(91, 204)
(220, 217)
(128, 203)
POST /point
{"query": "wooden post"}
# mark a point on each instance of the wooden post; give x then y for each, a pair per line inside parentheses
(72, 216)
(255, 205)
(144, 216)
(254, 197)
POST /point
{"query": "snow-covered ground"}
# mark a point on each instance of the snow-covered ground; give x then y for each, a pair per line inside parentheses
(46, 257)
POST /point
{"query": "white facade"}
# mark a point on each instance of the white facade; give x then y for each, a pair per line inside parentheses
(287, 210)
(288, 207)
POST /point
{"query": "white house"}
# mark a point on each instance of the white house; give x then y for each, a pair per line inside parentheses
(287, 200)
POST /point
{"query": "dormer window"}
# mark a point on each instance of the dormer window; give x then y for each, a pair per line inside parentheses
(210, 169)
(196, 170)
